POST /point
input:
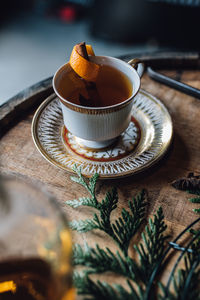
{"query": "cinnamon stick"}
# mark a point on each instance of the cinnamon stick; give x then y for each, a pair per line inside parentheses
(81, 49)
(94, 98)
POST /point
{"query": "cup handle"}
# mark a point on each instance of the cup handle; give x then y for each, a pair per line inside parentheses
(138, 65)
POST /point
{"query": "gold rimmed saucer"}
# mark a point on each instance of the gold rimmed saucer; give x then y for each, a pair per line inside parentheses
(143, 143)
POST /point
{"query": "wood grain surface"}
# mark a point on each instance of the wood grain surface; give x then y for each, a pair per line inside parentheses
(20, 157)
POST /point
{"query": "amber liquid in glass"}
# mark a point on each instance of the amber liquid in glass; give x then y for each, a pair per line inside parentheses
(30, 279)
(113, 86)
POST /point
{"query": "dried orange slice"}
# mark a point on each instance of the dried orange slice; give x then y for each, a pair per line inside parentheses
(83, 67)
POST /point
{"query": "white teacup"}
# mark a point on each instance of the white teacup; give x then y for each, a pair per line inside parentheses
(98, 127)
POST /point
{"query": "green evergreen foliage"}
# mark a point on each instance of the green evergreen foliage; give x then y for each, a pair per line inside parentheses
(149, 259)
(102, 290)
(122, 229)
(186, 282)
(194, 192)
(196, 210)
(195, 199)
(153, 246)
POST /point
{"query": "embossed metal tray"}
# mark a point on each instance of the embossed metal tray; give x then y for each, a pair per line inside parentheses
(143, 143)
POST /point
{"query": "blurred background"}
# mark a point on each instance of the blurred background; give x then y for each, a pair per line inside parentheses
(37, 36)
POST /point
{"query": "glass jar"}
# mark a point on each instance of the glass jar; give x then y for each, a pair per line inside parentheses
(35, 244)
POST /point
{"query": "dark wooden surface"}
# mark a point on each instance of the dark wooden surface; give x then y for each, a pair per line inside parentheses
(21, 104)
(20, 157)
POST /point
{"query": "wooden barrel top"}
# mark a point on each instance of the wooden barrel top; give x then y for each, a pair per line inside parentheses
(20, 157)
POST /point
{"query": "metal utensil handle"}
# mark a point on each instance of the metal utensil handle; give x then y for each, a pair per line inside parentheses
(138, 65)
(178, 85)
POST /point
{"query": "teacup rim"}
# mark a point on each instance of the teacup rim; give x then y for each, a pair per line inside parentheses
(101, 108)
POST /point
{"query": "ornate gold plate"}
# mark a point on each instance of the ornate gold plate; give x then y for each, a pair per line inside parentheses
(143, 143)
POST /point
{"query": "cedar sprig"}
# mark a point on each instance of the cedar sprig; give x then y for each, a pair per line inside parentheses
(83, 225)
(151, 252)
(152, 248)
(102, 290)
(126, 226)
(98, 260)
(194, 192)
(123, 228)
(90, 186)
(195, 200)
(101, 222)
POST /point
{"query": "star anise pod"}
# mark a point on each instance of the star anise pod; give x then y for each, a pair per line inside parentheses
(191, 182)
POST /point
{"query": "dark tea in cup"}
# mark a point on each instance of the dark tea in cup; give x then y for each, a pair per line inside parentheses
(112, 85)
